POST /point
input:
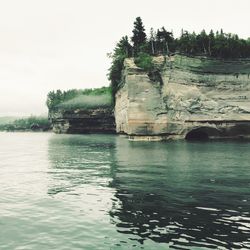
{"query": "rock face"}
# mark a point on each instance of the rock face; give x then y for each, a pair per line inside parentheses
(195, 97)
(99, 120)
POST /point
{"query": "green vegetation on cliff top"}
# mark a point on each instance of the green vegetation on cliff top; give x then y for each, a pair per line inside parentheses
(79, 99)
(215, 44)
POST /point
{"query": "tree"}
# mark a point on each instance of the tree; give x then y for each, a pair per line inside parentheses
(53, 99)
(139, 36)
(203, 41)
(122, 50)
(123, 47)
(152, 40)
(184, 43)
(211, 42)
(165, 41)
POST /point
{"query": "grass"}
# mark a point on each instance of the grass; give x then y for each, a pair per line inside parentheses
(87, 102)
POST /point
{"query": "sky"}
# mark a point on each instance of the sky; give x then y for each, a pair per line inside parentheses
(63, 44)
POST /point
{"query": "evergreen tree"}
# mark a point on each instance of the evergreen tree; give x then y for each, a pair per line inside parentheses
(165, 41)
(203, 41)
(184, 43)
(211, 38)
(139, 36)
(122, 50)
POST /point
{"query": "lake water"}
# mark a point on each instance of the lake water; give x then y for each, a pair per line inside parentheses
(105, 192)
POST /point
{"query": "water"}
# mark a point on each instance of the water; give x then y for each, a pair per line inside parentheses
(105, 192)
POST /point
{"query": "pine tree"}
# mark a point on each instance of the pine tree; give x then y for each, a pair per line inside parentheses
(204, 41)
(122, 50)
(139, 36)
(211, 42)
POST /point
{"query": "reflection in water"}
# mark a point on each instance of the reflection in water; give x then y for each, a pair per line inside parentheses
(105, 192)
(80, 175)
(80, 172)
(185, 194)
(80, 160)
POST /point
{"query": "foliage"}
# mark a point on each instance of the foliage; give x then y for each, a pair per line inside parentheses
(59, 99)
(139, 36)
(144, 61)
(27, 123)
(219, 44)
(122, 50)
(164, 42)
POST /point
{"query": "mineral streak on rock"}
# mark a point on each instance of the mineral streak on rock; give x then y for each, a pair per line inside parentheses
(197, 97)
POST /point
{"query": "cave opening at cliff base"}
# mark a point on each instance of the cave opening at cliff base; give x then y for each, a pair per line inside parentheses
(196, 135)
(201, 134)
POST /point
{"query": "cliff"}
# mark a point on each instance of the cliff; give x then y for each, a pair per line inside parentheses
(94, 120)
(191, 97)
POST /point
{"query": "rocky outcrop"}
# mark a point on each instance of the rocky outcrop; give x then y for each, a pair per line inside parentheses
(97, 120)
(194, 97)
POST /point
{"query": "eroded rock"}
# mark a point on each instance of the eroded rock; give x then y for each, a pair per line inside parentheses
(98, 120)
(195, 93)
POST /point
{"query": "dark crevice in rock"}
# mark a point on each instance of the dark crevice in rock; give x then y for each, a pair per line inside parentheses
(197, 135)
(155, 76)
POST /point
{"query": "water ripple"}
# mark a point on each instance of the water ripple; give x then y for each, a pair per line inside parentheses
(104, 192)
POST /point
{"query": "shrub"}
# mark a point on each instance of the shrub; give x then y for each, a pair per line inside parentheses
(144, 61)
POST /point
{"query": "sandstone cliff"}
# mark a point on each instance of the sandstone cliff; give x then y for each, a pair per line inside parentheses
(95, 120)
(194, 96)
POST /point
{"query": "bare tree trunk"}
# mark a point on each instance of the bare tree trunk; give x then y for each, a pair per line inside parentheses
(167, 48)
(205, 51)
(152, 46)
(209, 47)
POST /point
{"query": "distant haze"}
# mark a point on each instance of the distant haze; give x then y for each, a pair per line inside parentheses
(62, 44)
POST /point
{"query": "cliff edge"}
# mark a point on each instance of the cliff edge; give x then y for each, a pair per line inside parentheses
(190, 97)
(81, 121)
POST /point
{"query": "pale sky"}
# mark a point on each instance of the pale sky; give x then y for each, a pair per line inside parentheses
(62, 44)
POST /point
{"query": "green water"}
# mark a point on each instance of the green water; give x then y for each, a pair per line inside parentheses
(105, 192)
